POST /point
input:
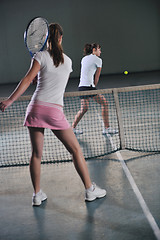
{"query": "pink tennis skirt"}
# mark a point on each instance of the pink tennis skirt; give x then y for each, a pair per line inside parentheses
(46, 116)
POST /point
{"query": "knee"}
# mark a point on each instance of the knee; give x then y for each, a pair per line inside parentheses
(82, 111)
(75, 150)
(85, 109)
(104, 102)
(36, 156)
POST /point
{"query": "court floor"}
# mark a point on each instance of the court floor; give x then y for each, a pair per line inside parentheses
(65, 215)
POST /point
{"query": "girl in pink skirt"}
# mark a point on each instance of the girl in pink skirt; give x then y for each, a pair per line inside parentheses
(45, 110)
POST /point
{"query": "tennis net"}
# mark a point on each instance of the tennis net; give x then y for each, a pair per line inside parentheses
(134, 111)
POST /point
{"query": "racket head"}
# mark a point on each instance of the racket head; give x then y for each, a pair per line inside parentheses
(36, 35)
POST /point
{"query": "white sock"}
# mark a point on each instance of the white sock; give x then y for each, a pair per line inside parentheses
(34, 194)
(91, 188)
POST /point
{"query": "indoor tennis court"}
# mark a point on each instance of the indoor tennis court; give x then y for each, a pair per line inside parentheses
(65, 215)
(126, 164)
(121, 214)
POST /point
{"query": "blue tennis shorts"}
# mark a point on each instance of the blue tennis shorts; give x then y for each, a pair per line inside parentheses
(87, 88)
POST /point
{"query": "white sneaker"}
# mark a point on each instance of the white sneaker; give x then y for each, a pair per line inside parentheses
(77, 132)
(95, 193)
(38, 198)
(109, 130)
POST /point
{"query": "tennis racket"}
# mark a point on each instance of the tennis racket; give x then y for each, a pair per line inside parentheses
(36, 34)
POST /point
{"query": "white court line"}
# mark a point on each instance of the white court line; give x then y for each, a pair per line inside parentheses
(138, 194)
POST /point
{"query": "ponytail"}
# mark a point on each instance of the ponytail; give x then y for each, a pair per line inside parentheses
(88, 48)
(54, 46)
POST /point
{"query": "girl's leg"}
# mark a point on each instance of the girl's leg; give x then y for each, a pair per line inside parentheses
(104, 106)
(37, 139)
(69, 140)
(83, 110)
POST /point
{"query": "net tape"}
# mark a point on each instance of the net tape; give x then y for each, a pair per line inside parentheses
(133, 110)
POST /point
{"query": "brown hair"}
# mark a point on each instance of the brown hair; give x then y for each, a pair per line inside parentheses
(88, 48)
(54, 47)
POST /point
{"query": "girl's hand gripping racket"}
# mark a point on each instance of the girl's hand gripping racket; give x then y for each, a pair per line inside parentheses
(36, 34)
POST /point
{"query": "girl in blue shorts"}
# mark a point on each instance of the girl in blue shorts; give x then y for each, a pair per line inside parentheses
(91, 66)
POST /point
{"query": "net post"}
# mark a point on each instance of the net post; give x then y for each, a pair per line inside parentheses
(119, 119)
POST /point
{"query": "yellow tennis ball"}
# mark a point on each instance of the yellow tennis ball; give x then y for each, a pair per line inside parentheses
(125, 72)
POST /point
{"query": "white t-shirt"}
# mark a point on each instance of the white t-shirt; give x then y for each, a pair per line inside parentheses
(89, 65)
(52, 80)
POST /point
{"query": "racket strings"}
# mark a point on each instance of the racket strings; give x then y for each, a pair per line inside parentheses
(36, 35)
